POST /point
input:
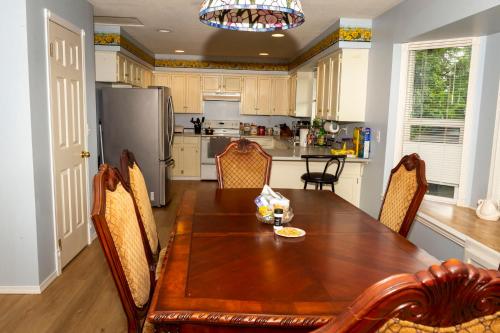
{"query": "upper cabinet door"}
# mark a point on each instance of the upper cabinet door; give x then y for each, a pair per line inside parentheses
(320, 89)
(231, 83)
(193, 94)
(280, 98)
(162, 79)
(293, 95)
(211, 83)
(335, 62)
(178, 86)
(353, 85)
(249, 95)
(264, 94)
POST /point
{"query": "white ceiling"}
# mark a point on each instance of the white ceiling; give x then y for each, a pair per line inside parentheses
(198, 39)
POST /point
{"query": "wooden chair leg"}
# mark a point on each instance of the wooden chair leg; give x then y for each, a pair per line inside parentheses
(305, 185)
(333, 187)
(321, 186)
(316, 186)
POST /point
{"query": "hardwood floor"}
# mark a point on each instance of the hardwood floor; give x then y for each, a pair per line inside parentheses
(84, 297)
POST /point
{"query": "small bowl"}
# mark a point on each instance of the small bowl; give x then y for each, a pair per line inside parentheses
(287, 217)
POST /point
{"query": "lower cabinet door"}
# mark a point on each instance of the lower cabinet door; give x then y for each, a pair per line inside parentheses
(191, 156)
(177, 170)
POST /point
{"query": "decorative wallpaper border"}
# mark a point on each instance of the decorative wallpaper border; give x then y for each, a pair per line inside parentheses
(176, 63)
(347, 34)
(114, 39)
(343, 34)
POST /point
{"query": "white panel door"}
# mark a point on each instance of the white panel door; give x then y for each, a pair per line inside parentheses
(68, 123)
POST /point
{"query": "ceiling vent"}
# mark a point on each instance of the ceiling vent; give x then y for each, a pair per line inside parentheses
(120, 21)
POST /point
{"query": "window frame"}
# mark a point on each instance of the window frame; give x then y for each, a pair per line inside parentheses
(494, 178)
(462, 196)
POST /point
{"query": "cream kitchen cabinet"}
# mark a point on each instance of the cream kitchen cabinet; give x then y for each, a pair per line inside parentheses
(287, 173)
(266, 142)
(280, 98)
(342, 85)
(186, 155)
(162, 79)
(113, 66)
(186, 90)
(221, 83)
(301, 94)
(256, 95)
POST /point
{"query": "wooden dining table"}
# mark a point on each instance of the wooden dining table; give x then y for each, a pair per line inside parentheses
(225, 271)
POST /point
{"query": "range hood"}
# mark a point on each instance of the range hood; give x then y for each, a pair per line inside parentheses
(221, 96)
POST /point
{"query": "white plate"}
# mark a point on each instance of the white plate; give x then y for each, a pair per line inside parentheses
(290, 232)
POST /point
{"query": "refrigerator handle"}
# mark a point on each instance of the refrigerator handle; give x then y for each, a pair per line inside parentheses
(171, 108)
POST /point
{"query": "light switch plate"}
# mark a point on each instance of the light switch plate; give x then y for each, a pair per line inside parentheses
(152, 196)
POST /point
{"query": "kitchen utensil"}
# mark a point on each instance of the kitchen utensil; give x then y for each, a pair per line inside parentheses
(487, 210)
(285, 131)
(329, 127)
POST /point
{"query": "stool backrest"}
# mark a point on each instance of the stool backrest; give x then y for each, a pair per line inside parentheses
(339, 160)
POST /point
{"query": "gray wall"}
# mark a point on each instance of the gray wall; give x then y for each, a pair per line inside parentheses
(80, 14)
(26, 234)
(487, 116)
(401, 24)
(18, 242)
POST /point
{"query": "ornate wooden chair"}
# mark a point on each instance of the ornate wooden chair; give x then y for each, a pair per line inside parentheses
(134, 179)
(244, 164)
(124, 243)
(405, 191)
(451, 298)
(320, 178)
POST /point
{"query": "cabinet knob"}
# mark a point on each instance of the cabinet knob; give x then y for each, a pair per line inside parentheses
(85, 154)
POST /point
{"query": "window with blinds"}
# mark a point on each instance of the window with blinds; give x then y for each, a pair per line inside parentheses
(435, 107)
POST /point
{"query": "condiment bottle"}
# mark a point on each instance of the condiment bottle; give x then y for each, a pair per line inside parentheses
(278, 218)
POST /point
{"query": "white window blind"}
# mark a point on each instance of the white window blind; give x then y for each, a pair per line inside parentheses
(435, 107)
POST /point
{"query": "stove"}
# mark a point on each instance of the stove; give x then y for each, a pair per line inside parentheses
(223, 127)
(225, 131)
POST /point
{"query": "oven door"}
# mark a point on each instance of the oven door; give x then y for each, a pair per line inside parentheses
(212, 146)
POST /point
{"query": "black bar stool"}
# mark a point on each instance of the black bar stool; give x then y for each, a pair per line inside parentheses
(320, 178)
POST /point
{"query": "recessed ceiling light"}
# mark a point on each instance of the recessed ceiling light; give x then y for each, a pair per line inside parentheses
(263, 54)
(278, 35)
(179, 51)
(164, 30)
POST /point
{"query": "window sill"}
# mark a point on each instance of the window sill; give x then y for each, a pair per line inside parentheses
(462, 226)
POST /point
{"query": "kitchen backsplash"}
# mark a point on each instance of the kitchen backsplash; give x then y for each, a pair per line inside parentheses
(224, 110)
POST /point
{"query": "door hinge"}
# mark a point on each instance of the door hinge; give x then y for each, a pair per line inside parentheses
(51, 49)
(59, 244)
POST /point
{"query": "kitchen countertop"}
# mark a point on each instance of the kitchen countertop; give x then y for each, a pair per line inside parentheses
(295, 153)
(284, 151)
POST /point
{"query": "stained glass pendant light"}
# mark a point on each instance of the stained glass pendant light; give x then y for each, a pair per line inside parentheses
(252, 15)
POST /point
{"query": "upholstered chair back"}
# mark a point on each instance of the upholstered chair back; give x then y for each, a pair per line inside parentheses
(449, 298)
(135, 180)
(244, 164)
(405, 191)
(124, 244)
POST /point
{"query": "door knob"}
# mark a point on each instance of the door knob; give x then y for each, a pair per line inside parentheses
(85, 154)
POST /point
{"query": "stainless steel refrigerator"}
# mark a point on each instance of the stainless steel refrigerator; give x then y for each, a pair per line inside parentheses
(142, 121)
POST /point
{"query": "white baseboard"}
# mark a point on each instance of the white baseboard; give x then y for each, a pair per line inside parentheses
(48, 281)
(29, 289)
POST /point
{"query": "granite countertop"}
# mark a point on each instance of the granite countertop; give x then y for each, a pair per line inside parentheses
(284, 151)
(188, 134)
